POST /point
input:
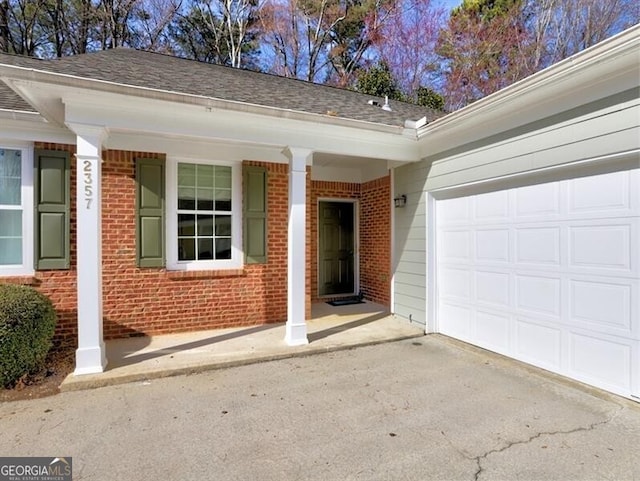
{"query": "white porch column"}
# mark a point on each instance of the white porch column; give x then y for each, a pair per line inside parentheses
(90, 356)
(296, 329)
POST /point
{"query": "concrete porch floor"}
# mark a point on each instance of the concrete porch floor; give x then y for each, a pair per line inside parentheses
(330, 329)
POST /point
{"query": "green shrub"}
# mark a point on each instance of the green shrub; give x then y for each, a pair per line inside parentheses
(27, 323)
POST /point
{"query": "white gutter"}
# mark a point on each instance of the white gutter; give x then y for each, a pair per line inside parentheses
(21, 115)
(14, 72)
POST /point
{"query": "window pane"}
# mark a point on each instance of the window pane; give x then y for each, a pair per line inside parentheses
(11, 223)
(223, 248)
(10, 251)
(205, 199)
(186, 198)
(223, 225)
(205, 225)
(223, 200)
(205, 175)
(186, 225)
(10, 176)
(186, 175)
(223, 177)
(186, 249)
(205, 249)
(10, 237)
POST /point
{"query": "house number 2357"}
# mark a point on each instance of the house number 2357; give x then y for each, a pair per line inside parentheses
(88, 183)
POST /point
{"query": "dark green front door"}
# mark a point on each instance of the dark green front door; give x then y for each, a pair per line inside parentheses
(336, 245)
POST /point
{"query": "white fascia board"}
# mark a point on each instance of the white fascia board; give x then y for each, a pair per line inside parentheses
(33, 128)
(126, 114)
(610, 67)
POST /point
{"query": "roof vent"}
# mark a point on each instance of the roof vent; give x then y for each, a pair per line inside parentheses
(386, 105)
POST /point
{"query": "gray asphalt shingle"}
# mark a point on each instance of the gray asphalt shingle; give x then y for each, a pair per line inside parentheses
(164, 72)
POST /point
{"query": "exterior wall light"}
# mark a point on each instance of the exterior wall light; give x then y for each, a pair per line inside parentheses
(400, 201)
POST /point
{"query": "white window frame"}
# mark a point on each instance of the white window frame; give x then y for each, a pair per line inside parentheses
(26, 196)
(171, 233)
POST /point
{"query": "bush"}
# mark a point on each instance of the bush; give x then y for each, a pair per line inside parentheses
(27, 323)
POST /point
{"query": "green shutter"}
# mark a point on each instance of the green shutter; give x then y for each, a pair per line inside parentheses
(255, 215)
(150, 212)
(52, 209)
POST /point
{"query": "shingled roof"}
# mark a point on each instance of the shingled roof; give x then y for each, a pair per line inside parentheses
(163, 72)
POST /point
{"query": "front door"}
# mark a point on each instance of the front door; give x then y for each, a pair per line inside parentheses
(336, 246)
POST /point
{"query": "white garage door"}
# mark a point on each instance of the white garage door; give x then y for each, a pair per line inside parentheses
(548, 274)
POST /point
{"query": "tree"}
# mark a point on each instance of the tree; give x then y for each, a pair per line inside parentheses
(379, 82)
(483, 47)
(407, 41)
(429, 98)
(151, 21)
(25, 33)
(4, 25)
(561, 28)
(352, 37)
(220, 31)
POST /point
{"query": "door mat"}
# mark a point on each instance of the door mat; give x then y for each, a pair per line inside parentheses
(346, 302)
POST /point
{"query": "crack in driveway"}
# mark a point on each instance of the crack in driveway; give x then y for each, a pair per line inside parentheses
(509, 445)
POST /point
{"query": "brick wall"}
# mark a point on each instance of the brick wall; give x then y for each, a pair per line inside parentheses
(375, 240)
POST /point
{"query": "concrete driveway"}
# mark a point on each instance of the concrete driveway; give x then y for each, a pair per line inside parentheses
(419, 409)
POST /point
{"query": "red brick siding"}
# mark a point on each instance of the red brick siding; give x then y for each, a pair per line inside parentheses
(375, 240)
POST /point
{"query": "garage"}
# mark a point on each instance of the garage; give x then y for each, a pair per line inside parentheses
(547, 273)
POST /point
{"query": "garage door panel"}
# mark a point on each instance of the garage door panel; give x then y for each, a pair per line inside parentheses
(456, 211)
(458, 320)
(603, 194)
(538, 245)
(456, 284)
(541, 200)
(538, 344)
(455, 245)
(492, 245)
(601, 361)
(539, 295)
(492, 207)
(493, 288)
(602, 305)
(493, 331)
(548, 274)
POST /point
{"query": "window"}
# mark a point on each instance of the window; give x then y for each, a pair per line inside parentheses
(204, 215)
(16, 210)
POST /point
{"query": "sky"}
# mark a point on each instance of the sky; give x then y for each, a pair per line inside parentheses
(449, 4)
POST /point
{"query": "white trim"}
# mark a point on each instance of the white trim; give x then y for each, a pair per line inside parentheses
(356, 244)
(431, 309)
(296, 327)
(237, 255)
(392, 254)
(91, 353)
(26, 205)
